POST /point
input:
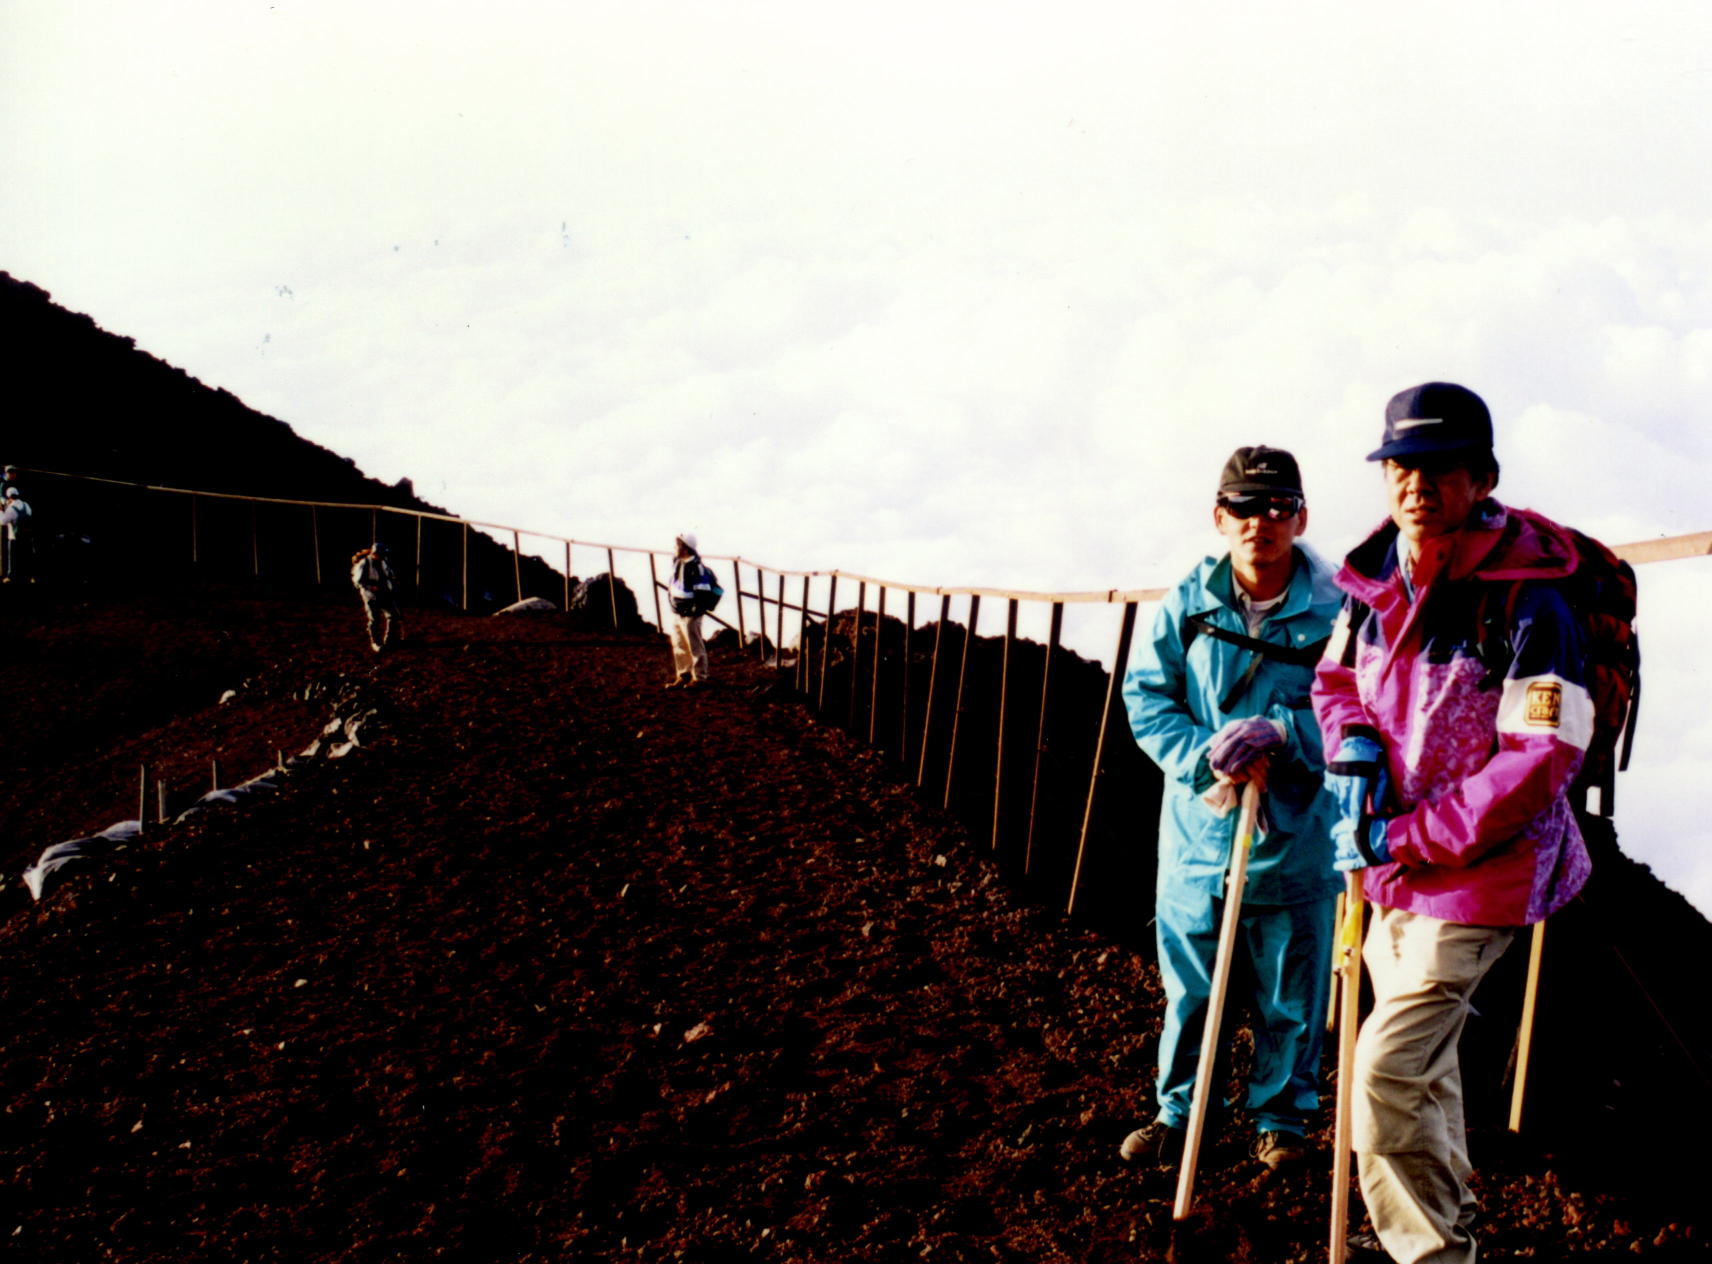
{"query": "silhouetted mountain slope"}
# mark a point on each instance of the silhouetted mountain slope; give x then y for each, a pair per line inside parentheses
(84, 401)
(87, 401)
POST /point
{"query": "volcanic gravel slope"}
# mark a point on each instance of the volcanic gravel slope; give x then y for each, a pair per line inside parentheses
(562, 966)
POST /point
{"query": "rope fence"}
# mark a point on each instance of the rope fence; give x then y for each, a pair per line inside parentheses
(881, 703)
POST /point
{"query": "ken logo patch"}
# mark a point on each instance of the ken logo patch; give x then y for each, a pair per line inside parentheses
(1544, 704)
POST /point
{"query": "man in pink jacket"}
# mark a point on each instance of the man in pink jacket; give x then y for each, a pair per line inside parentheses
(1454, 693)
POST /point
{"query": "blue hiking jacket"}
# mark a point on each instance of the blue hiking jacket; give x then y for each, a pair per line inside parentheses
(1173, 692)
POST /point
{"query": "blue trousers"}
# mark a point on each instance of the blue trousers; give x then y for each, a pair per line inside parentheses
(1283, 956)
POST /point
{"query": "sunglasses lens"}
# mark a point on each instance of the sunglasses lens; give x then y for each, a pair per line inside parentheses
(1276, 508)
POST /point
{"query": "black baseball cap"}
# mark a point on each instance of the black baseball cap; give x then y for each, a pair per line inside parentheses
(1434, 417)
(1260, 469)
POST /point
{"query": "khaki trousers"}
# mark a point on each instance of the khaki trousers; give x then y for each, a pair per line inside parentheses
(1408, 1129)
(689, 655)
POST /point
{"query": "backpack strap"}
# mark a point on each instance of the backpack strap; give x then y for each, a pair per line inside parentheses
(1303, 656)
(1299, 656)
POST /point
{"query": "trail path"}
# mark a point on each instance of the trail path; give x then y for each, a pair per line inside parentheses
(564, 966)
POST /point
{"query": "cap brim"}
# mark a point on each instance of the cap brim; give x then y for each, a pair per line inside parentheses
(1422, 445)
(1258, 489)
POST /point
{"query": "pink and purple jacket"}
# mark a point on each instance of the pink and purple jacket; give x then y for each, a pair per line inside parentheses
(1481, 765)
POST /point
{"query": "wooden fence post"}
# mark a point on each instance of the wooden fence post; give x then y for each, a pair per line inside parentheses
(195, 551)
(779, 627)
(214, 774)
(962, 680)
(826, 642)
(567, 604)
(760, 614)
(1040, 731)
(517, 563)
(654, 583)
(932, 680)
(1004, 693)
(904, 706)
(612, 587)
(143, 798)
(1112, 686)
(465, 565)
(255, 548)
(874, 681)
(802, 641)
(315, 540)
(856, 653)
(742, 623)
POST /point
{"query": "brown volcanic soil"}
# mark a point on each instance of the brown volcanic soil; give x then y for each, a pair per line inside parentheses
(561, 966)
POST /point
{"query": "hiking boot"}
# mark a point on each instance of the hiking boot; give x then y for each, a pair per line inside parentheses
(1158, 1144)
(678, 682)
(1277, 1149)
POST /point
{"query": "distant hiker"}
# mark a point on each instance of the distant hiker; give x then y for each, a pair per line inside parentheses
(1451, 776)
(20, 537)
(374, 582)
(692, 582)
(8, 481)
(1218, 696)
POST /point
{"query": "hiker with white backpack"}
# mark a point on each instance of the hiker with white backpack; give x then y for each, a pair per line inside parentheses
(693, 593)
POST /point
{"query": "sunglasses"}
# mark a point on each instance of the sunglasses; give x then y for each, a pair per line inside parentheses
(1276, 508)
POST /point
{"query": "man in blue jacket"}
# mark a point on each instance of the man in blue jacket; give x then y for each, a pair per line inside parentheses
(1218, 697)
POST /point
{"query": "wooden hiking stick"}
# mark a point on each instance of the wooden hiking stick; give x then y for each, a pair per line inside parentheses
(1525, 1034)
(1336, 995)
(1235, 881)
(1349, 967)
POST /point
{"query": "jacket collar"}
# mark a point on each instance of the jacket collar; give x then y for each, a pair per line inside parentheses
(1497, 543)
(1219, 581)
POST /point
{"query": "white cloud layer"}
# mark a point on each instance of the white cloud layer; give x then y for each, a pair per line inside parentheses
(951, 293)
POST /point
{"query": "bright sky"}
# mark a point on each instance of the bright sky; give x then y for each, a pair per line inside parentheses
(955, 293)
